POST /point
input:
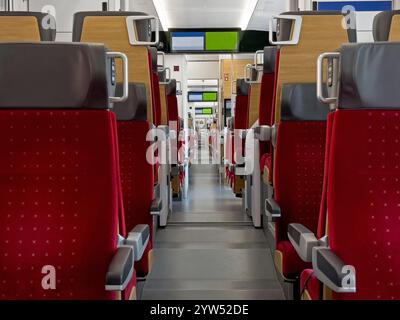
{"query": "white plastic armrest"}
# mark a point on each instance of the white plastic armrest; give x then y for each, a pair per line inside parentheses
(138, 239)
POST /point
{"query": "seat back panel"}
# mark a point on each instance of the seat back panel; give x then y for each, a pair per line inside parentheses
(164, 108)
(112, 31)
(300, 167)
(254, 103)
(394, 34)
(363, 199)
(10, 28)
(297, 63)
(58, 176)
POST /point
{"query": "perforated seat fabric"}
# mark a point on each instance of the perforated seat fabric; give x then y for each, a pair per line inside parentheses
(363, 194)
(301, 156)
(364, 171)
(137, 181)
(298, 176)
(59, 175)
(309, 283)
(313, 285)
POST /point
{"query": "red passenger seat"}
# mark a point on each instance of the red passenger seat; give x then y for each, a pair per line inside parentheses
(299, 168)
(300, 131)
(59, 214)
(136, 172)
(135, 117)
(240, 122)
(174, 122)
(266, 116)
(363, 178)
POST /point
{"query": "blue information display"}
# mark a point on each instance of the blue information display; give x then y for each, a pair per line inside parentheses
(358, 5)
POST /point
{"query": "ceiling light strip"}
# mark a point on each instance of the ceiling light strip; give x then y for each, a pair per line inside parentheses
(247, 14)
(162, 13)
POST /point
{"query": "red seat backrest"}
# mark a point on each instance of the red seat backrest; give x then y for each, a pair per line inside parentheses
(299, 158)
(267, 93)
(241, 115)
(364, 170)
(136, 172)
(59, 173)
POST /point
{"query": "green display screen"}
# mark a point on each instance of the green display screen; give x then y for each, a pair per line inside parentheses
(222, 41)
(210, 96)
(207, 111)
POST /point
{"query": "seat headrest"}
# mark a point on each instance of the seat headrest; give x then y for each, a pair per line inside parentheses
(253, 74)
(154, 58)
(382, 24)
(269, 59)
(54, 75)
(300, 103)
(162, 76)
(143, 27)
(170, 88)
(370, 76)
(135, 108)
(242, 87)
(45, 34)
(285, 26)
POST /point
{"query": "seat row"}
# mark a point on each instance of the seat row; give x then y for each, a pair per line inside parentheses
(83, 194)
(324, 181)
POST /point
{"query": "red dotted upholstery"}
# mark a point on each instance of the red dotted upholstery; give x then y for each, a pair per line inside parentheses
(363, 199)
(137, 180)
(59, 181)
(298, 177)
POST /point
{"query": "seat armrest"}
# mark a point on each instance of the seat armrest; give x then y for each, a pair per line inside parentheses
(272, 209)
(332, 271)
(243, 133)
(120, 270)
(263, 133)
(138, 239)
(303, 240)
(156, 206)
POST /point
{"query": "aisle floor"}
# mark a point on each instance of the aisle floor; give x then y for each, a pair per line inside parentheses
(210, 250)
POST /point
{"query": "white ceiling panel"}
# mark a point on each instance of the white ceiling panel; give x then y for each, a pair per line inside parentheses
(264, 11)
(211, 13)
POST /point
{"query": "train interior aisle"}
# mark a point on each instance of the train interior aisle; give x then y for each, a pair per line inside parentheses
(199, 150)
(210, 250)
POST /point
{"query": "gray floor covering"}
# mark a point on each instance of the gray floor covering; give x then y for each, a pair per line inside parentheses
(210, 250)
